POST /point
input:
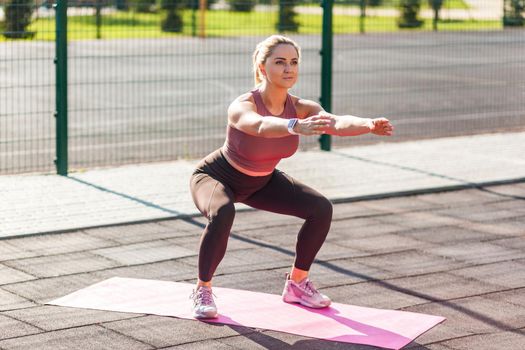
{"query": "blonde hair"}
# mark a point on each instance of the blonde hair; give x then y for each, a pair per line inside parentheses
(265, 49)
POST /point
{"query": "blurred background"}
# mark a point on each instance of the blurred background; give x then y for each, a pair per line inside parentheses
(138, 81)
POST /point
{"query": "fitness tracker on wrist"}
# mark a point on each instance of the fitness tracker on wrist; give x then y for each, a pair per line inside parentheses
(291, 125)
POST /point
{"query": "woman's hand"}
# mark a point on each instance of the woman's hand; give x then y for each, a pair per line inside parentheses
(381, 127)
(314, 125)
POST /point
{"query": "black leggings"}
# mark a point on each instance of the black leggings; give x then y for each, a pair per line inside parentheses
(216, 186)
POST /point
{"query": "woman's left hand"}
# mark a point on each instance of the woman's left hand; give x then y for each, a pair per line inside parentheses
(329, 128)
(381, 127)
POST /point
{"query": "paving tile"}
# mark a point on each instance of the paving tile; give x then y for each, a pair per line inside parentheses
(363, 228)
(51, 317)
(276, 340)
(343, 271)
(410, 262)
(515, 296)
(514, 243)
(419, 220)
(475, 315)
(258, 219)
(59, 243)
(192, 243)
(508, 227)
(248, 260)
(447, 234)
(496, 273)
(200, 345)
(9, 251)
(64, 264)
(170, 270)
(401, 204)
(511, 205)
(329, 250)
(442, 332)
(90, 337)
(442, 286)
(270, 281)
(10, 301)
(382, 295)
(437, 346)
(355, 210)
(181, 225)
(142, 253)
(383, 243)
(480, 212)
(11, 328)
(167, 331)
(464, 197)
(13, 275)
(137, 233)
(500, 340)
(517, 189)
(44, 290)
(476, 252)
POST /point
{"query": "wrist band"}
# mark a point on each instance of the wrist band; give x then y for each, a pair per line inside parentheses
(291, 125)
(370, 124)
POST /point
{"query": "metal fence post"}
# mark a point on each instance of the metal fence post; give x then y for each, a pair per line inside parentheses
(61, 87)
(362, 6)
(326, 66)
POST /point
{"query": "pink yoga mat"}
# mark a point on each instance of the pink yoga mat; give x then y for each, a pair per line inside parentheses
(344, 323)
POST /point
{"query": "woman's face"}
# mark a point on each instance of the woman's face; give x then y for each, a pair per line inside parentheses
(282, 66)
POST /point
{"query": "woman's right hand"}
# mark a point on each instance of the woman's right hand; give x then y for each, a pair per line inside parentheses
(314, 125)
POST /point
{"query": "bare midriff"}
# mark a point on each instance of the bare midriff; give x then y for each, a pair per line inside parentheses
(245, 171)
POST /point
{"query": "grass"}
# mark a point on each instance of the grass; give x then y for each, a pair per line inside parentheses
(447, 4)
(128, 25)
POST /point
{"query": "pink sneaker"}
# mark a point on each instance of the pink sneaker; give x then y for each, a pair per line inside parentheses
(304, 293)
(203, 304)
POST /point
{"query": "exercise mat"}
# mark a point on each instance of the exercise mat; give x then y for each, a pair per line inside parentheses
(389, 329)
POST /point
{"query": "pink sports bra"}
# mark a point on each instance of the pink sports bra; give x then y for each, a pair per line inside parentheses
(260, 155)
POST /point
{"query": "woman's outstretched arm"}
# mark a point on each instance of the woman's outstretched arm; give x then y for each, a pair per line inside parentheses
(349, 125)
(346, 125)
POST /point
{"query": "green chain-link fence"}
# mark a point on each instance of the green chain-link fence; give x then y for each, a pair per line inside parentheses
(151, 80)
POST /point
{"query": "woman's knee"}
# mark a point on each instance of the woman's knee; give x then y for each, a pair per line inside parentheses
(222, 214)
(322, 208)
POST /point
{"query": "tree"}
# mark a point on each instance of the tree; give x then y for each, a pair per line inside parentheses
(513, 13)
(436, 6)
(173, 20)
(409, 12)
(195, 5)
(287, 22)
(374, 3)
(143, 6)
(242, 5)
(17, 18)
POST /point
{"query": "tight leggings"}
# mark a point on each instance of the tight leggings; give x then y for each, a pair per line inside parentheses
(216, 186)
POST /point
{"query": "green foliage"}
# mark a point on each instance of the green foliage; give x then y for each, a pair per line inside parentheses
(172, 21)
(17, 18)
(242, 5)
(143, 6)
(513, 15)
(408, 17)
(374, 3)
(287, 14)
(194, 4)
(435, 4)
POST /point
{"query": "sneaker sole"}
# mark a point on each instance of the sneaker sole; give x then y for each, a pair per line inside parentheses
(205, 315)
(288, 299)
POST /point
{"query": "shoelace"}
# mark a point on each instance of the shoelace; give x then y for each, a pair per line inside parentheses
(309, 287)
(204, 295)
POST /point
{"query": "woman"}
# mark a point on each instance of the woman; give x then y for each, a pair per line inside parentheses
(263, 127)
